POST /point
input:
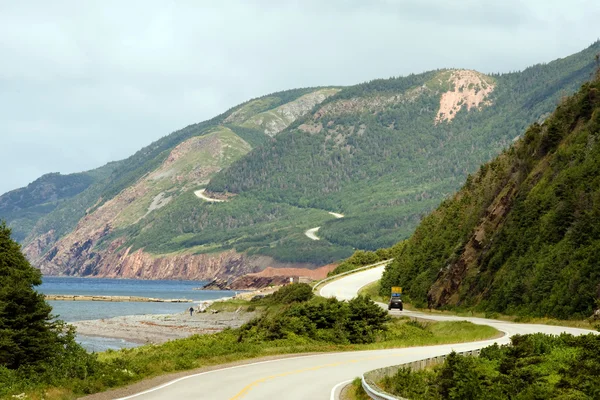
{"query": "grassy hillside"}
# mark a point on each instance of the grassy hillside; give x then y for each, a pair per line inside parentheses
(522, 236)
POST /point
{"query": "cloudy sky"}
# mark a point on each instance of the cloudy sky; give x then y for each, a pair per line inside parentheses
(87, 82)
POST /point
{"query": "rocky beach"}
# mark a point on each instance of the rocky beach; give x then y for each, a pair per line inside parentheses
(160, 328)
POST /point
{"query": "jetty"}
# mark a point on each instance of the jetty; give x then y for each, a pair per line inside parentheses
(76, 297)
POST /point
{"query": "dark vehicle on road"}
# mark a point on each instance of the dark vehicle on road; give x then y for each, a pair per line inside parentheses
(395, 302)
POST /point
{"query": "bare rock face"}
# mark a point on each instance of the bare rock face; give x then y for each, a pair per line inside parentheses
(36, 249)
(83, 259)
(446, 289)
(470, 89)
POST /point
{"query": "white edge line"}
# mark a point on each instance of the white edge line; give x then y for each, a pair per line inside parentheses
(336, 387)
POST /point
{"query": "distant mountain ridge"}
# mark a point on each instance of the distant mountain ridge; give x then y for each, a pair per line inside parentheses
(25, 206)
(382, 153)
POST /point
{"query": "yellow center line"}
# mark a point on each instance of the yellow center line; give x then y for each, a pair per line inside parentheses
(250, 386)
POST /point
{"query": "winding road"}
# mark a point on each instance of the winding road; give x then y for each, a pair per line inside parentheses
(321, 376)
(200, 194)
(311, 233)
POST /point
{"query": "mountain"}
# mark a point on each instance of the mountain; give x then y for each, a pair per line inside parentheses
(356, 167)
(523, 234)
(77, 238)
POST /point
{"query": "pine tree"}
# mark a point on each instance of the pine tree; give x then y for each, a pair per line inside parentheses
(27, 333)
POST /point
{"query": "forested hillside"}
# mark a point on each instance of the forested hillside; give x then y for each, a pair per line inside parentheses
(63, 218)
(523, 234)
(360, 166)
(159, 187)
(380, 153)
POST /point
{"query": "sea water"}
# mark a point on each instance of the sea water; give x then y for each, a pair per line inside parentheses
(70, 311)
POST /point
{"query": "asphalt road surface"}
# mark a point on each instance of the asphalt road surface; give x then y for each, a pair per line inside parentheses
(320, 376)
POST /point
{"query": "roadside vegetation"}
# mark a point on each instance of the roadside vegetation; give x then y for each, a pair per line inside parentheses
(373, 291)
(354, 391)
(533, 367)
(39, 358)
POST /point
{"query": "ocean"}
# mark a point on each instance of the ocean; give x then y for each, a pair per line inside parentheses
(70, 311)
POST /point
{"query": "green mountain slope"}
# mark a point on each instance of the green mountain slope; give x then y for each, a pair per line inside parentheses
(161, 180)
(523, 235)
(23, 208)
(382, 153)
(63, 217)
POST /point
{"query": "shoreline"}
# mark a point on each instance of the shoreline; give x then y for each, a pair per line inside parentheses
(160, 328)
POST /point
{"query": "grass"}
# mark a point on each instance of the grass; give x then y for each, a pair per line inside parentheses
(372, 290)
(583, 324)
(262, 120)
(232, 305)
(354, 391)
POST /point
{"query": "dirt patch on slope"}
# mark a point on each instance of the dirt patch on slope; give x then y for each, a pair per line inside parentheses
(471, 89)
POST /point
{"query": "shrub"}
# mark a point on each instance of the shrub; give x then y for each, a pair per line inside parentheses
(294, 293)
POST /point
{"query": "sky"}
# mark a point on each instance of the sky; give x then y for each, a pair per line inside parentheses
(83, 83)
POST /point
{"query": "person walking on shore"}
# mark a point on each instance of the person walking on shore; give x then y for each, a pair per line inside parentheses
(191, 311)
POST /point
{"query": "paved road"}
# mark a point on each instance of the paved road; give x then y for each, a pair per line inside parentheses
(311, 233)
(200, 194)
(314, 377)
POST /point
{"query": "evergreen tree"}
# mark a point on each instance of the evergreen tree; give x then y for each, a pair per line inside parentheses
(27, 333)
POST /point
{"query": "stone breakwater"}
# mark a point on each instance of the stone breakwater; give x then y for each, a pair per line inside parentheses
(66, 297)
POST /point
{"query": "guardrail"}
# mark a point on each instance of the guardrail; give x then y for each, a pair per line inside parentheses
(369, 379)
(330, 278)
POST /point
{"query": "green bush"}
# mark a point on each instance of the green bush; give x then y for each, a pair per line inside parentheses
(294, 293)
(358, 321)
